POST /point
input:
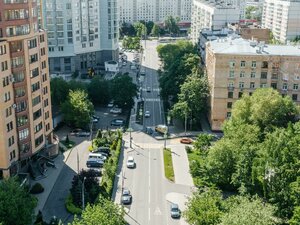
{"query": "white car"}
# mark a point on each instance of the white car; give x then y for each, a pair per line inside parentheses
(110, 104)
(147, 114)
(116, 110)
(130, 162)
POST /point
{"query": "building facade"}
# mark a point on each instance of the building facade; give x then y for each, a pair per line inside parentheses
(237, 67)
(131, 11)
(82, 34)
(212, 15)
(25, 104)
(282, 18)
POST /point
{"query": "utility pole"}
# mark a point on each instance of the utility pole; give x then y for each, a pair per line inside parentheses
(130, 141)
(77, 161)
(82, 192)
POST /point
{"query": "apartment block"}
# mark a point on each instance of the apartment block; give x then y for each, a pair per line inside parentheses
(81, 34)
(213, 15)
(131, 11)
(282, 18)
(25, 103)
(237, 67)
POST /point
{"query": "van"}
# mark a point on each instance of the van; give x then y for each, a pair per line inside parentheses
(97, 156)
(94, 163)
(161, 129)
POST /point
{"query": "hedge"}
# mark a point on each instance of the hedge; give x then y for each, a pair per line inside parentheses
(71, 208)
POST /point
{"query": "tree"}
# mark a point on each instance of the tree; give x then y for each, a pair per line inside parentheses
(59, 91)
(105, 212)
(204, 208)
(131, 43)
(155, 30)
(127, 29)
(203, 141)
(140, 29)
(77, 109)
(171, 25)
(295, 220)
(253, 12)
(248, 212)
(16, 204)
(123, 90)
(99, 90)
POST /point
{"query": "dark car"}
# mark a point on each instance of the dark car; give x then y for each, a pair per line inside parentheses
(94, 163)
(102, 150)
(175, 211)
(117, 122)
(126, 197)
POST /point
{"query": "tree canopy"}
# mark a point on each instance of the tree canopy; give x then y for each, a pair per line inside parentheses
(99, 90)
(16, 204)
(171, 25)
(78, 109)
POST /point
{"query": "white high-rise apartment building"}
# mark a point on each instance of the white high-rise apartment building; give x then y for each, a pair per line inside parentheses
(213, 15)
(81, 33)
(154, 10)
(282, 18)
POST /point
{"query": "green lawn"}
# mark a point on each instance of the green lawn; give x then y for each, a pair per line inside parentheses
(169, 172)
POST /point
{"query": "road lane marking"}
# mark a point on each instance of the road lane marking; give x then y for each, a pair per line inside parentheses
(157, 211)
(149, 183)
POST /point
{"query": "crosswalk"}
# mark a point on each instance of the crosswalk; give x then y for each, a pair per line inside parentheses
(154, 89)
(152, 99)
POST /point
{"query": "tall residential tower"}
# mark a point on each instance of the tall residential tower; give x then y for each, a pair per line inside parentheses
(25, 104)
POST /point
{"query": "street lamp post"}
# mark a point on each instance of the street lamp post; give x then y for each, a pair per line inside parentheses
(82, 193)
(130, 141)
(166, 132)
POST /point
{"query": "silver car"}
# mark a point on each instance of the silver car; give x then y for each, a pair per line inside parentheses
(175, 211)
(126, 197)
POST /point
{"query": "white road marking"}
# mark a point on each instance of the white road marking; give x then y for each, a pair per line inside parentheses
(149, 183)
(157, 211)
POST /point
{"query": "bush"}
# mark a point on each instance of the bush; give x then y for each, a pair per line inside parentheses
(71, 208)
(37, 188)
(188, 149)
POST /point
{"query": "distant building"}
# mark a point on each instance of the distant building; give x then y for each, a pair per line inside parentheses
(282, 18)
(25, 104)
(213, 15)
(81, 34)
(237, 67)
(131, 11)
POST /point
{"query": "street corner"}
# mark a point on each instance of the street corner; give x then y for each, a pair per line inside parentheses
(177, 198)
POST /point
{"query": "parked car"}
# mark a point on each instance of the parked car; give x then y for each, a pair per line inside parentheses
(110, 104)
(161, 129)
(102, 150)
(175, 211)
(116, 110)
(83, 134)
(186, 140)
(149, 130)
(143, 72)
(75, 132)
(126, 197)
(97, 156)
(130, 162)
(117, 122)
(147, 114)
(94, 163)
(94, 119)
(148, 89)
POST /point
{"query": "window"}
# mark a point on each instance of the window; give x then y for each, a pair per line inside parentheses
(42, 38)
(43, 64)
(252, 75)
(8, 111)
(294, 97)
(4, 66)
(34, 73)
(21, 106)
(264, 65)
(253, 64)
(44, 77)
(39, 140)
(5, 81)
(12, 155)
(35, 87)
(22, 120)
(274, 76)
(46, 103)
(32, 43)
(11, 141)
(9, 126)
(18, 76)
(295, 87)
(242, 74)
(47, 126)
(37, 114)
(252, 84)
(241, 84)
(60, 48)
(231, 74)
(228, 114)
(43, 51)
(45, 90)
(2, 49)
(46, 115)
(274, 85)
(230, 84)
(229, 105)
(67, 60)
(38, 127)
(264, 75)
(6, 96)
(36, 100)
(240, 94)
(23, 134)
(230, 94)
(20, 92)
(243, 64)
(284, 86)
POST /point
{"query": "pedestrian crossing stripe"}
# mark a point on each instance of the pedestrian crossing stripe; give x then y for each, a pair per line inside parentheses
(152, 99)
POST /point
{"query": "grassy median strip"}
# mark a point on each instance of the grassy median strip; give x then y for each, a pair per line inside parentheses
(169, 171)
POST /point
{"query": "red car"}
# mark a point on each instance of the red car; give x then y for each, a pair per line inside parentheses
(186, 141)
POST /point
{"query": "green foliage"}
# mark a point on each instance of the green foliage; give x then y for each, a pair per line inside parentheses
(140, 29)
(204, 208)
(295, 220)
(99, 90)
(132, 43)
(155, 30)
(16, 204)
(127, 29)
(168, 165)
(59, 91)
(203, 141)
(37, 188)
(71, 208)
(105, 212)
(171, 25)
(253, 12)
(248, 212)
(123, 91)
(77, 109)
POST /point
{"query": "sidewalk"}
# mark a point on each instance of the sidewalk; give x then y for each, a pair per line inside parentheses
(50, 179)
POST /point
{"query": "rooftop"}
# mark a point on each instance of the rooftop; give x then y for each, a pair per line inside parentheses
(248, 47)
(217, 4)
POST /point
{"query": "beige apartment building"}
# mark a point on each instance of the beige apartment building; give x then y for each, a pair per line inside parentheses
(239, 66)
(25, 103)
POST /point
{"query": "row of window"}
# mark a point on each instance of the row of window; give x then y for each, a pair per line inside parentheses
(240, 94)
(243, 64)
(3, 49)
(263, 85)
